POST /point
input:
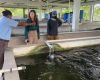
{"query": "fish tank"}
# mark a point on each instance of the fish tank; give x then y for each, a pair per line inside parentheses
(81, 63)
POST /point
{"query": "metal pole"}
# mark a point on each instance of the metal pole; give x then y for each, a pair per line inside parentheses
(12, 69)
(51, 51)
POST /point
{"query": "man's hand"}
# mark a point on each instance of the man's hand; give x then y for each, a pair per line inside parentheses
(22, 24)
(30, 24)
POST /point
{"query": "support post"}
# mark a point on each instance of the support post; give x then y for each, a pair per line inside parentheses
(40, 11)
(76, 12)
(91, 13)
(24, 15)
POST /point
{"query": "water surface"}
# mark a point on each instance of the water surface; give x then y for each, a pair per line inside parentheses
(74, 64)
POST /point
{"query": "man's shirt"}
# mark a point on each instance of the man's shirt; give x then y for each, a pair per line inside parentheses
(6, 25)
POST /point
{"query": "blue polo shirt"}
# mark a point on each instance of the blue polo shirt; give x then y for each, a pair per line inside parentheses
(6, 25)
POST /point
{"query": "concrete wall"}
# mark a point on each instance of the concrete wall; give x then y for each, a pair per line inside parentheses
(17, 41)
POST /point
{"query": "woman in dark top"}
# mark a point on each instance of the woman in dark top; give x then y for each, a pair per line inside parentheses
(52, 26)
(32, 31)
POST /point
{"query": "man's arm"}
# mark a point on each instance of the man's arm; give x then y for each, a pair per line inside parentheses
(59, 22)
(24, 24)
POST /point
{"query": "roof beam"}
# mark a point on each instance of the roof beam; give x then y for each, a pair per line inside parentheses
(91, 3)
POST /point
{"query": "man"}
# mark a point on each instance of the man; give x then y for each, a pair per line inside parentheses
(52, 26)
(6, 25)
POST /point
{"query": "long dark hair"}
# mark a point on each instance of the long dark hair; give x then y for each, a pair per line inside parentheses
(35, 16)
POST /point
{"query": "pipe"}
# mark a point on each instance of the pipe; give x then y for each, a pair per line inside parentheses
(50, 47)
(12, 69)
(51, 51)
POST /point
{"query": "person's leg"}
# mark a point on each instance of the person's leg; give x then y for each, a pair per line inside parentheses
(55, 37)
(30, 37)
(1, 53)
(49, 37)
(3, 45)
(35, 37)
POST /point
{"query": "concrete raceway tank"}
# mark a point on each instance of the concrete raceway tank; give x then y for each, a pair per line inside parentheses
(65, 59)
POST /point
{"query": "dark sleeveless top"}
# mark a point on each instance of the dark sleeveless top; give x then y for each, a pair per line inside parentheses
(31, 28)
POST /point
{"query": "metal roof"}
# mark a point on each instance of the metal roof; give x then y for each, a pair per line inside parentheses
(41, 4)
